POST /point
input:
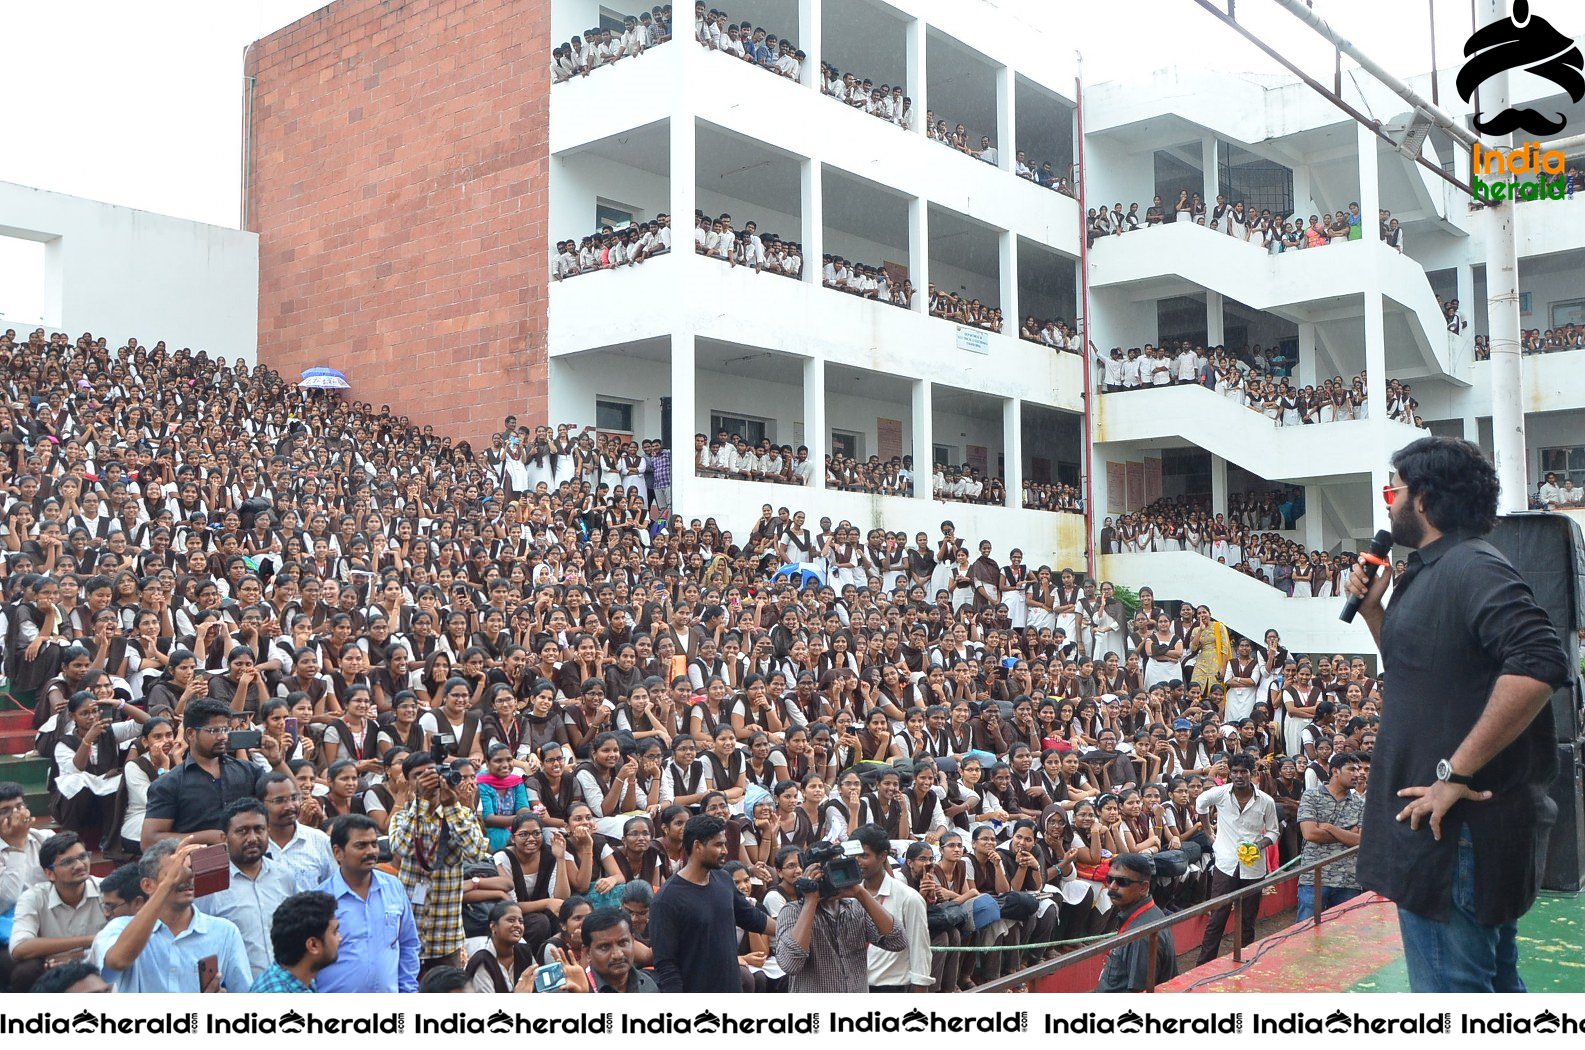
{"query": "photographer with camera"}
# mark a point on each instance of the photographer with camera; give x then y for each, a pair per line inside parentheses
(822, 939)
(435, 835)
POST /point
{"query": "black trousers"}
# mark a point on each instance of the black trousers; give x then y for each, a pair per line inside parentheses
(1216, 923)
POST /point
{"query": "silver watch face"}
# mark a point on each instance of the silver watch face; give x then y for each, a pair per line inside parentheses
(1444, 769)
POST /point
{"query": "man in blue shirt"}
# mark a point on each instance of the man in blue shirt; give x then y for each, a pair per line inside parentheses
(379, 938)
(161, 947)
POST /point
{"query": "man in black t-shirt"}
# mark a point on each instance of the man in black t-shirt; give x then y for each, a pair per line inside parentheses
(694, 921)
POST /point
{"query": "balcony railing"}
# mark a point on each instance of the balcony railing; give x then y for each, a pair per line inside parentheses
(1163, 927)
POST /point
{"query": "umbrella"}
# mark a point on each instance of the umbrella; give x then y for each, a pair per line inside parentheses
(801, 575)
(321, 370)
(324, 382)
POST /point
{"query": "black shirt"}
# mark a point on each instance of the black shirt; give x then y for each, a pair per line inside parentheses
(1460, 617)
(693, 930)
(1128, 965)
(191, 799)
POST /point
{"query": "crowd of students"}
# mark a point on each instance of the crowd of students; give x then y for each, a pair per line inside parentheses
(612, 248)
(492, 687)
(867, 281)
(1275, 232)
(1247, 539)
(1053, 332)
(1538, 341)
(714, 31)
(597, 48)
(716, 238)
(885, 101)
(964, 310)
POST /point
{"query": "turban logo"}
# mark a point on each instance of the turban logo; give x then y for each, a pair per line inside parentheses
(1527, 43)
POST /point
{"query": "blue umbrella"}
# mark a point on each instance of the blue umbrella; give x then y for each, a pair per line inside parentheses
(324, 382)
(322, 370)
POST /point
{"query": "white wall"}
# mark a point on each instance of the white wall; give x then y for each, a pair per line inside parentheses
(120, 272)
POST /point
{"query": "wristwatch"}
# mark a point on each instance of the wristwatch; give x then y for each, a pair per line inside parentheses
(1444, 772)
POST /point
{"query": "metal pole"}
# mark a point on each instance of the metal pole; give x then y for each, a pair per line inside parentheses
(1435, 97)
(1502, 311)
(1150, 964)
(1316, 904)
(1087, 340)
(1238, 930)
(1302, 11)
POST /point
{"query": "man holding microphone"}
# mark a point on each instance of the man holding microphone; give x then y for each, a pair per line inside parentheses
(1457, 817)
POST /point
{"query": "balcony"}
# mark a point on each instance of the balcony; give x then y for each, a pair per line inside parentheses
(648, 302)
(1316, 285)
(1176, 415)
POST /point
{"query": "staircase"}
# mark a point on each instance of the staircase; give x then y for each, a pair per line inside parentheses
(1171, 415)
(17, 764)
(1318, 285)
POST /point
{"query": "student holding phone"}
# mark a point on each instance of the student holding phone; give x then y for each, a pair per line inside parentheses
(189, 799)
(168, 945)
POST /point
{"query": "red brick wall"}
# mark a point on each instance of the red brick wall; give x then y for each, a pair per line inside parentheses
(397, 184)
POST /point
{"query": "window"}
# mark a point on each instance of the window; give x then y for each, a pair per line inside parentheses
(944, 455)
(613, 417)
(753, 430)
(1260, 183)
(846, 443)
(21, 281)
(612, 213)
(1566, 462)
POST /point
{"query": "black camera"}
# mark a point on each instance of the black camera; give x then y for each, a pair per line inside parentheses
(839, 867)
(449, 773)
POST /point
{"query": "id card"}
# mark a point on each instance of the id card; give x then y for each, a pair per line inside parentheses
(419, 894)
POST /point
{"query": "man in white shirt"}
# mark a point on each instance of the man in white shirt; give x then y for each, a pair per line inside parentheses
(1133, 370)
(908, 970)
(258, 885)
(1570, 494)
(305, 851)
(1188, 365)
(1246, 824)
(1113, 370)
(804, 467)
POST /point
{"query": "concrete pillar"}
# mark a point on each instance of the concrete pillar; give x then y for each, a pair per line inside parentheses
(1213, 319)
(684, 421)
(1306, 370)
(1218, 484)
(1209, 158)
(915, 58)
(918, 251)
(1465, 293)
(1006, 117)
(924, 438)
(812, 200)
(1312, 525)
(1013, 450)
(1303, 205)
(809, 41)
(684, 165)
(816, 436)
(1375, 323)
(1007, 252)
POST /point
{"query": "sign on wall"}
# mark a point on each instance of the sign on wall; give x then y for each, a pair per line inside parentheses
(1136, 485)
(1152, 480)
(1116, 488)
(974, 340)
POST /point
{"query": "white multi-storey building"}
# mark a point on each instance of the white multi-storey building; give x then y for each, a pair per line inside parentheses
(686, 344)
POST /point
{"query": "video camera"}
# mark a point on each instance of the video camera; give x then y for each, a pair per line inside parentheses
(839, 867)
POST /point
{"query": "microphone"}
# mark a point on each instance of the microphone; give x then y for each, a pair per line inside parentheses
(1375, 561)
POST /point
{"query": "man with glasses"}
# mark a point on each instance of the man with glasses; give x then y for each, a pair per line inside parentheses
(1127, 967)
(257, 885)
(189, 799)
(20, 843)
(121, 892)
(58, 916)
(302, 850)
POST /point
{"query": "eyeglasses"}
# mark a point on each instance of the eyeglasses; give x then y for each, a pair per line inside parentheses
(1118, 880)
(1389, 493)
(69, 862)
(213, 730)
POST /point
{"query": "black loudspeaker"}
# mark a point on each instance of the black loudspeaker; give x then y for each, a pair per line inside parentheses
(1565, 852)
(1549, 552)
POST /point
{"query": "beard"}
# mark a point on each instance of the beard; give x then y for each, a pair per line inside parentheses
(1407, 526)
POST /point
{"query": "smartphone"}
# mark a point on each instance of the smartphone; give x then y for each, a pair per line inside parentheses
(107, 712)
(243, 739)
(551, 977)
(291, 728)
(211, 870)
(208, 970)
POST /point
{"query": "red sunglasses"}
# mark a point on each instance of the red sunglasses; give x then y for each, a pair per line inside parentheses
(1389, 493)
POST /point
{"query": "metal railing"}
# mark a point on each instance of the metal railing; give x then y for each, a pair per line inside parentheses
(1154, 931)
